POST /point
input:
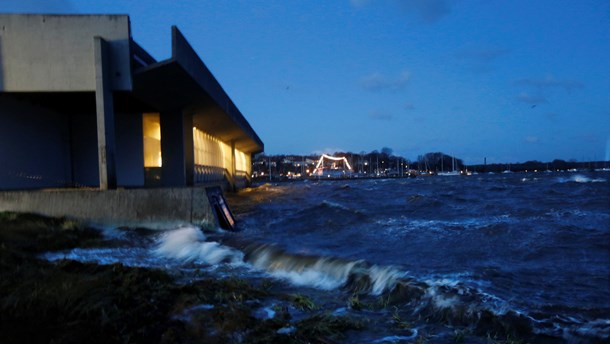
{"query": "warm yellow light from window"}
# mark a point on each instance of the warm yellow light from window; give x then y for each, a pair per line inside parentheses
(242, 161)
(210, 151)
(151, 128)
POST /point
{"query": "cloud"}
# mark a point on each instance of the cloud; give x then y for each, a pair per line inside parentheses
(550, 83)
(483, 55)
(359, 3)
(380, 116)
(551, 116)
(588, 137)
(540, 89)
(530, 99)
(377, 82)
(532, 139)
(328, 150)
(428, 10)
(420, 119)
(480, 59)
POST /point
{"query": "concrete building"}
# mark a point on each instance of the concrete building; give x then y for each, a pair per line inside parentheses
(83, 106)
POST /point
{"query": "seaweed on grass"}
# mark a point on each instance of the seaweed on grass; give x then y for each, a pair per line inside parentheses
(71, 302)
(302, 302)
(74, 302)
(35, 233)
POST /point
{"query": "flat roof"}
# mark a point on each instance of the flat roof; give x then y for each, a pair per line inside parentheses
(184, 82)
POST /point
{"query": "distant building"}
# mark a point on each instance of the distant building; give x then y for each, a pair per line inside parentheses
(82, 105)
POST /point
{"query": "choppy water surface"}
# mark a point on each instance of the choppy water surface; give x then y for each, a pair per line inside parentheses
(527, 252)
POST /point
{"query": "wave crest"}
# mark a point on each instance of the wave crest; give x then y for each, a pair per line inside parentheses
(188, 245)
(579, 178)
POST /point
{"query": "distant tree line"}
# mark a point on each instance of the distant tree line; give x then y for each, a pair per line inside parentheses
(439, 162)
(533, 165)
(383, 163)
(378, 163)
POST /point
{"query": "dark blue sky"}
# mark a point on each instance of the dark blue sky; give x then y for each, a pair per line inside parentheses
(507, 80)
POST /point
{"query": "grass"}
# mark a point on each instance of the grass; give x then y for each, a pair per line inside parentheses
(72, 302)
(327, 328)
(303, 302)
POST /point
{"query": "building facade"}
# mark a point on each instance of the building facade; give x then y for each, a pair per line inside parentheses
(82, 105)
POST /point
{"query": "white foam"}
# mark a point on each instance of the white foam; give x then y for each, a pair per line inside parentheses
(599, 328)
(384, 278)
(334, 205)
(323, 274)
(188, 244)
(286, 330)
(130, 256)
(264, 313)
(397, 339)
(579, 178)
(582, 179)
(442, 300)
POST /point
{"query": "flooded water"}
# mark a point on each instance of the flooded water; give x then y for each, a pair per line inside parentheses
(525, 253)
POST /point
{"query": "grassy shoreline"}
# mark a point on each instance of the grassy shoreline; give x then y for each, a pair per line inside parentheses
(72, 302)
(67, 301)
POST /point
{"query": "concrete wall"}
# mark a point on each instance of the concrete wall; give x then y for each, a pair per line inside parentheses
(40, 148)
(155, 208)
(55, 52)
(129, 149)
(84, 149)
(34, 146)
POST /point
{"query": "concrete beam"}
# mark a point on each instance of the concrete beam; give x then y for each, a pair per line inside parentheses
(187, 58)
(233, 163)
(105, 115)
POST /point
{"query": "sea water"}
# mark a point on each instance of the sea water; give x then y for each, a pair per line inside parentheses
(523, 250)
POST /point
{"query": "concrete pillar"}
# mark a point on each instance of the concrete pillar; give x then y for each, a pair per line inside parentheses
(105, 115)
(177, 149)
(189, 149)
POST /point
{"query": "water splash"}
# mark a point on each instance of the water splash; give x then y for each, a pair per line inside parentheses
(188, 244)
(442, 298)
(445, 299)
(579, 178)
(129, 256)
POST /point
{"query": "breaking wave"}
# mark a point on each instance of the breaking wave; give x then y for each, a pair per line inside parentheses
(579, 178)
(320, 272)
(444, 299)
(447, 300)
(188, 244)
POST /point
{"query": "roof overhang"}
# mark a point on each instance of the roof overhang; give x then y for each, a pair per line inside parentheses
(184, 83)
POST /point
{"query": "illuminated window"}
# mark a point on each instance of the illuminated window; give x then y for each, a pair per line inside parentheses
(242, 161)
(210, 151)
(151, 125)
